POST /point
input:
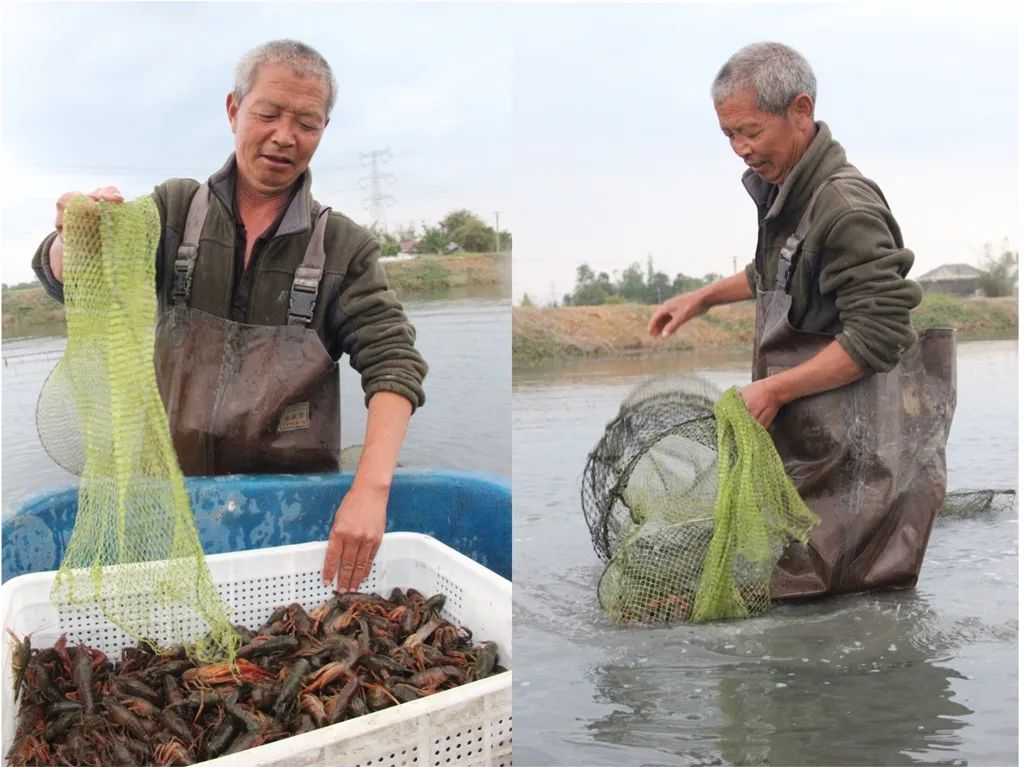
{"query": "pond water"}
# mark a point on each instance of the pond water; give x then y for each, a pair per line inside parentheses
(464, 425)
(923, 676)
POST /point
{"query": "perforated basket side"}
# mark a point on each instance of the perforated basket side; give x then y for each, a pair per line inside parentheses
(470, 724)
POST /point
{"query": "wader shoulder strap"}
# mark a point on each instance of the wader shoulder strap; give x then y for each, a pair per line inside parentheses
(787, 256)
(188, 251)
(306, 283)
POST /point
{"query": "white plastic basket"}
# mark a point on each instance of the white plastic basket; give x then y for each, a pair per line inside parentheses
(468, 725)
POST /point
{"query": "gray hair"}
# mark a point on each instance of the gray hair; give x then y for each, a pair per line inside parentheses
(774, 71)
(305, 62)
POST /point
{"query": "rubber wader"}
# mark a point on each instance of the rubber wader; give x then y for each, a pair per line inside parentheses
(248, 398)
(868, 458)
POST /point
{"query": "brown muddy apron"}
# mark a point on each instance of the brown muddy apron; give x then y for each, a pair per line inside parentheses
(248, 398)
(868, 457)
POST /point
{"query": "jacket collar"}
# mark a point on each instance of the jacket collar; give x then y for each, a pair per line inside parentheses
(298, 215)
(823, 157)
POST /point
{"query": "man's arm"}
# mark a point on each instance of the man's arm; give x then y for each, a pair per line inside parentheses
(866, 269)
(359, 522)
(830, 368)
(368, 321)
(682, 308)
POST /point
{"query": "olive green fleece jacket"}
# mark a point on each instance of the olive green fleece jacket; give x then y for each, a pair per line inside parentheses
(850, 276)
(355, 313)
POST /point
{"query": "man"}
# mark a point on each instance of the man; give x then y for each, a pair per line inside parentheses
(859, 409)
(260, 291)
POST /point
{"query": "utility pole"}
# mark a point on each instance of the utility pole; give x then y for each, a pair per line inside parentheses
(734, 264)
(497, 232)
(378, 200)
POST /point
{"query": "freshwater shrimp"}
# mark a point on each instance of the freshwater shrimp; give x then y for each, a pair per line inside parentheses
(341, 700)
(82, 677)
(291, 688)
(20, 654)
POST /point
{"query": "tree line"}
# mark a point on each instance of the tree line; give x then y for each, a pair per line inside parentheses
(635, 285)
(459, 230)
(998, 273)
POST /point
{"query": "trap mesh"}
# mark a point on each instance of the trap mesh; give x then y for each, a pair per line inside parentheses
(658, 455)
(972, 503)
(134, 551)
(687, 499)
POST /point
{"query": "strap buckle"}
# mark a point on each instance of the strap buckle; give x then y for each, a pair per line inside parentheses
(784, 273)
(303, 295)
(184, 265)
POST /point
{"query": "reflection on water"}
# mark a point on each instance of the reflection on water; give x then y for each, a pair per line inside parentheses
(786, 692)
(922, 676)
(464, 425)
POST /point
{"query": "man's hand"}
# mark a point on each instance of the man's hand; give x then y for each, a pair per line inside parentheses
(762, 401)
(670, 315)
(829, 369)
(355, 537)
(360, 520)
(108, 193)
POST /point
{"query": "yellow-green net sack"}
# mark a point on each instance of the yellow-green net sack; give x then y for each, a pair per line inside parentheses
(687, 499)
(134, 552)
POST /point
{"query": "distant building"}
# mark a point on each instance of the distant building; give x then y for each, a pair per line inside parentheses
(952, 280)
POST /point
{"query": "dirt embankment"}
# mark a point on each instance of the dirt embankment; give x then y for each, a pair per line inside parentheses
(621, 329)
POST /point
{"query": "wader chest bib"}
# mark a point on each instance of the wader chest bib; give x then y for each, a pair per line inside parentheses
(868, 457)
(248, 398)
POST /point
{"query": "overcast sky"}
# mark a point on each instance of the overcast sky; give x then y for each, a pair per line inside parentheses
(619, 153)
(589, 127)
(134, 93)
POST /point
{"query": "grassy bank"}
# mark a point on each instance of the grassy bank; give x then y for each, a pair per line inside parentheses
(540, 334)
(29, 312)
(427, 274)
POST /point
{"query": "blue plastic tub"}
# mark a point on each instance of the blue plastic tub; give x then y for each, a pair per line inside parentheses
(472, 513)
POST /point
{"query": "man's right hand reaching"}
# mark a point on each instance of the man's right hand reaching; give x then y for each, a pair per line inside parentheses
(108, 193)
(670, 315)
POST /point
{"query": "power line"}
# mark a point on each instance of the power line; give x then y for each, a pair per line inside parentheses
(378, 200)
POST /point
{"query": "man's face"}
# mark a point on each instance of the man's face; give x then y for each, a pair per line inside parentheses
(277, 128)
(771, 145)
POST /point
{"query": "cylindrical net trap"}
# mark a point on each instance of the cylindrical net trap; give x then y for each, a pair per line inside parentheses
(687, 501)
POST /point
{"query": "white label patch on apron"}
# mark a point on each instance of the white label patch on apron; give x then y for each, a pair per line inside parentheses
(294, 417)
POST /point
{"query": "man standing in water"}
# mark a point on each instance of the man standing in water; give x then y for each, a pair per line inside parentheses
(261, 290)
(858, 406)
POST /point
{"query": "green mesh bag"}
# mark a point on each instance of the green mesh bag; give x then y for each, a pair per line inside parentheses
(687, 499)
(757, 512)
(134, 552)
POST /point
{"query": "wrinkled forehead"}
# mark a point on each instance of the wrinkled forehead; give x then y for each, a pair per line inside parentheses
(280, 80)
(741, 110)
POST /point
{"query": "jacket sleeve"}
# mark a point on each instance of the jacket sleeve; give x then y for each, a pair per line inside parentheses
(867, 268)
(373, 330)
(41, 266)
